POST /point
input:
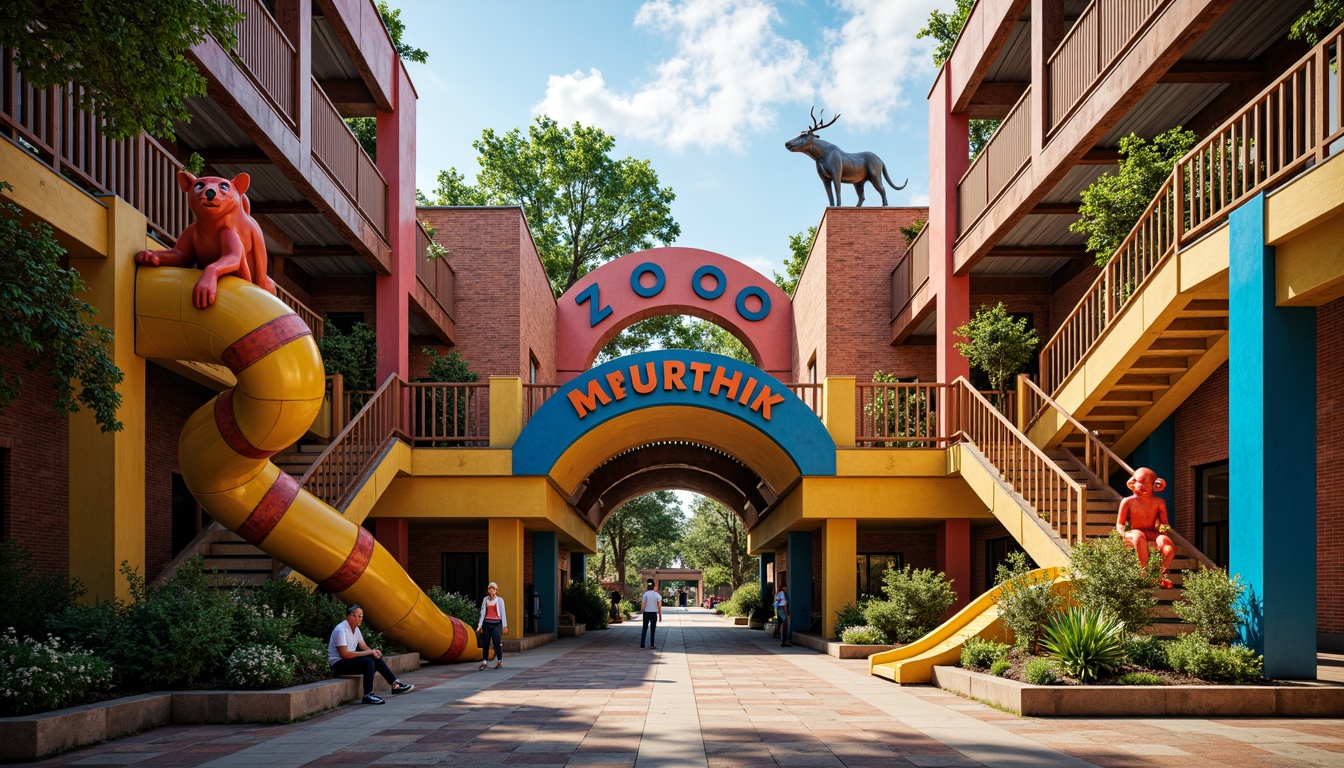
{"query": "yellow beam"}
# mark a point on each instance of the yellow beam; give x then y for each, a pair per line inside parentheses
(1305, 202)
(839, 553)
(1309, 268)
(889, 498)
(393, 464)
(891, 462)
(506, 410)
(506, 567)
(460, 462)
(838, 412)
(78, 219)
(783, 518)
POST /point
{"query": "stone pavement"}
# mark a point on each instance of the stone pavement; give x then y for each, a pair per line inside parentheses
(712, 695)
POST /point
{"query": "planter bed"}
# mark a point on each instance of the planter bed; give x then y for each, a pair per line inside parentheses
(1308, 699)
(33, 737)
(528, 642)
(837, 649)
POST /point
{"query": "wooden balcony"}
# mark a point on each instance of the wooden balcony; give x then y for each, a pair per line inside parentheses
(268, 57)
(911, 297)
(1004, 158)
(337, 150)
(432, 299)
(1103, 32)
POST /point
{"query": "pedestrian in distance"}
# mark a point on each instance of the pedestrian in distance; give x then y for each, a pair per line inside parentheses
(782, 614)
(652, 603)
(492, 626)
(348, 654)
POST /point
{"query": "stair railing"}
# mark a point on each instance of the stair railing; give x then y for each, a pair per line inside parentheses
(1098, 458)
(355, 448)
(1057, 498)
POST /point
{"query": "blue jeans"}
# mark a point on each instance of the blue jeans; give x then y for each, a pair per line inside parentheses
(650, 627)
(492, 632)
(782, 614)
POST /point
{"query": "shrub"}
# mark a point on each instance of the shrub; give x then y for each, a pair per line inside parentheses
(997, 343)
(1041, 671)
(1107, 579)
(255, 622)
(256, 666)
(920, 597)
(1087, 644)
(308, 656)
(29, 598)
(849, 616)
(1000, 667)
(457, 605)
(588, 601)
(745, 600)
(863, 635)
(978, 653)
(36, 676)
(1194, 655)
(1140, 678)
(327, 612)
(1212, 602)
(314, 613)
(176, 634)
(94, 626)
(1146, 651)
(1026, 601)
(628, 607)
(888, 618)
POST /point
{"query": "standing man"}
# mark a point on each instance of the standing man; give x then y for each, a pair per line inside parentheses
(653, 611)
(782, 613)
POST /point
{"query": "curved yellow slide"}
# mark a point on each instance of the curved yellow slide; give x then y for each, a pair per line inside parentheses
(225, 449)
(914, 663)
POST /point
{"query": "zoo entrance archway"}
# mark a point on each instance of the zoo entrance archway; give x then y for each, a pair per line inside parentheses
(685, 575)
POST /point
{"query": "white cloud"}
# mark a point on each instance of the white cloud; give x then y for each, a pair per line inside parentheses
(874, 59)
(729, 70)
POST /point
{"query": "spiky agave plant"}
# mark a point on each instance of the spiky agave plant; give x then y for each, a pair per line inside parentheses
(1087, 643)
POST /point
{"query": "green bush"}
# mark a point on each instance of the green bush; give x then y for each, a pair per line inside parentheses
(255, 622)
(29, 598)
(314, 613)
(1194, 655)
(888, 618)
(37, 676)
(1146, 651)
(94, 626)
(1000, 667)
(1140, 678)
(308, 656)
(863, 634)
(588, 601)
(978, 653)
(1107, 579)
(920, 597)
(1041, 671)
(628, 607)
(1086, 643)
(457, 605)
(849, 616)
(1213, 603)
(1026, 600)
(745, 601)
(176, 634)
(254, 667)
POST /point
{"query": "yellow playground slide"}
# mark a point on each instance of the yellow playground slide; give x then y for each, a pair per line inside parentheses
(226, 446)
(914, 663)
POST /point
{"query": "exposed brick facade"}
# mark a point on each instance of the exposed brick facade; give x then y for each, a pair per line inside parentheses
(1330, 472)
(172, 400)
(34, 460)
(1201, 439)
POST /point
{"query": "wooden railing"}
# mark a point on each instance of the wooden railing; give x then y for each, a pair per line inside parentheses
(536, 395)
(1006, 154)
(352, 453)
(899, 415)
(910, 274)
(1288, 127)
(1101, 34)
(50, 124)
(308, 316)
(436, 275)
(448, 415)
(338, 151)
(268, 56)
(340, 411)
(811, 395)
(1057, 498)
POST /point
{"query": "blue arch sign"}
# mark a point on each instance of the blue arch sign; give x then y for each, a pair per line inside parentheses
(674, 377)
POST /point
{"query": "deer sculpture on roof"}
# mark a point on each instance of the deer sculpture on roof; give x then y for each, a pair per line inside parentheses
(836, 166)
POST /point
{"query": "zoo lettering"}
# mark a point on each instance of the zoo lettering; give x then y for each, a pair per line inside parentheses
(597, 312)
(675, 374)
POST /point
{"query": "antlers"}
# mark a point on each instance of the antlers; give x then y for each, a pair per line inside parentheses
(817, 125)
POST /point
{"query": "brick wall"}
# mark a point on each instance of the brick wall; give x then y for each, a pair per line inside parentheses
(35, 495)
(809, 309)
(427, 543)
(172, 399)
(1063, 300)
(1201, 438)
(1329, 474)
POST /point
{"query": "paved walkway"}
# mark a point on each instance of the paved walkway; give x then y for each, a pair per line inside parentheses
(712, 695)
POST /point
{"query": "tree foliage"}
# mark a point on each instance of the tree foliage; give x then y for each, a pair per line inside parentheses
(800, 245)
(911, 231)
(44, 321)
(1113, 204)
(641, 522)
(1315, 23)
(675, 332)
(584, 206)
(354, 355)
(715, 536)
(128, 56)
(997, 343)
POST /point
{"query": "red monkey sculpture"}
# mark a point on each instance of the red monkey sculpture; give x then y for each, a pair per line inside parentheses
(1147, 518)
(224, 239)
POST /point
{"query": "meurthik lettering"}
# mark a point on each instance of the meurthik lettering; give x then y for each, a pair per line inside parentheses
(674, 375)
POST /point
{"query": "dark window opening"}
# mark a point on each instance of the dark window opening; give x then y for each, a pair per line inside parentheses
(188, 517)
(996, 553)
(532, 369)
(871, 567)
(344, 321)
(466, 573)
(1211, 527)
(4, 492)
(812, 369)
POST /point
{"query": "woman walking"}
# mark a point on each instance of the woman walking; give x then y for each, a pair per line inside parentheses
(493, 623)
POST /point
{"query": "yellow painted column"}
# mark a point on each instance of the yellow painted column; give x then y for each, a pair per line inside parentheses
(839, 555)
(506, 411)
(838, 414)
(107, 469)
(506, 568)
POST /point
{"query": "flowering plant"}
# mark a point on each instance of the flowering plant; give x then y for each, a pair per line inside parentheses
(40, 675)
(259, 666)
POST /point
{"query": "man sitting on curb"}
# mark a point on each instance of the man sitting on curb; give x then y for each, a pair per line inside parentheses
(348, 655)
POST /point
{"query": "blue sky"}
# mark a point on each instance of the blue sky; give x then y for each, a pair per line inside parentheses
(707, 90)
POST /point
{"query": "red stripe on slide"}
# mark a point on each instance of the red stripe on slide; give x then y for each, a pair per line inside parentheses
(264, 340)
(270, 509)
(353, 567)
(231, 432)
(459, 641)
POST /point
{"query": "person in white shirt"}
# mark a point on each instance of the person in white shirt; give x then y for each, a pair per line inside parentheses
(652, 603)
(495, 623)
(349, 655)
(782, 613)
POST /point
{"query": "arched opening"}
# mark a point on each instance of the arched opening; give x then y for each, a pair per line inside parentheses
(674, 328)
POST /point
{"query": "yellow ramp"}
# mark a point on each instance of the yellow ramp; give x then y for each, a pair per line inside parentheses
(914, 663)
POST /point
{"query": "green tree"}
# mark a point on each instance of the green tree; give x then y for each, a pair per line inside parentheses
(584, 206)
(912, 231)
(44, 321)
(129, 56)
(354, 355)
(800, 245)
(366, 128)
(715, 536)
(1113, 204)
(641, 522)
(1315, 23)
(997, 343)
(675, 332)
(944, 29)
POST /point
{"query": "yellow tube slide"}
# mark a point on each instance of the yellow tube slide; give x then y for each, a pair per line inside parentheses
(225, 449)
(914, 663)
